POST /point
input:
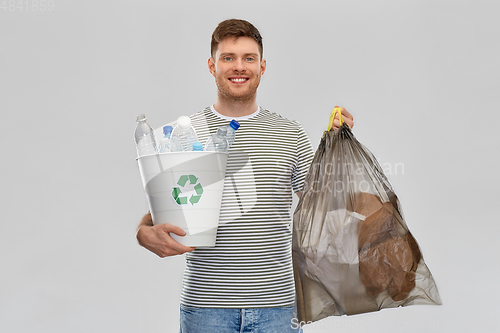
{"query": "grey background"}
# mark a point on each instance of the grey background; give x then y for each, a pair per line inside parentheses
(420, 77)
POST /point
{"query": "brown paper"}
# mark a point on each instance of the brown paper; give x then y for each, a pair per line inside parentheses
(388, 254)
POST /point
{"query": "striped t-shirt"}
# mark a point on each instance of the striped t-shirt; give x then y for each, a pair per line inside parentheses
(251, 264)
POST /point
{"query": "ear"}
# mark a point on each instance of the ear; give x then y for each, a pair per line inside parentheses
(211, 66)
(263, 65)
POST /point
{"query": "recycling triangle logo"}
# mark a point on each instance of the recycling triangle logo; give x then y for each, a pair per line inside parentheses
(186, 182)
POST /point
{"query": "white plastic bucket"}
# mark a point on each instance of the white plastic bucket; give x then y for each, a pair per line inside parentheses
(185, 189)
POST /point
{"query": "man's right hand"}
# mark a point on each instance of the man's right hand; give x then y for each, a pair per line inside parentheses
(157, 238)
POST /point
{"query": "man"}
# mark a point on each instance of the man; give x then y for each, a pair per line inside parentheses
(245, 283)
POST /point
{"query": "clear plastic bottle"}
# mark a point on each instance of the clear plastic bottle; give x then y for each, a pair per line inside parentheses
(164, 146)
(231, 131)
(144, 137)
(185, 133)
(167, 143)
(197, 146)
(174, 143)
(218, 142)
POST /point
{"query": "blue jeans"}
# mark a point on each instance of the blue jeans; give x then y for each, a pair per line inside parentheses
(255, 320)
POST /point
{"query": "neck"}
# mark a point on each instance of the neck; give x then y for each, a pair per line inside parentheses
(234, 107)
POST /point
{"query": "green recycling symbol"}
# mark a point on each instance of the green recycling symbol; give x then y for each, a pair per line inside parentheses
(177, 194)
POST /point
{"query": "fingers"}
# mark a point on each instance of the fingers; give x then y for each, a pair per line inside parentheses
(173, 228)
(346, 114)
(170, 247)
(172, 243)
(346, 117)
(336, 123)
(349, 122)
(158, 240)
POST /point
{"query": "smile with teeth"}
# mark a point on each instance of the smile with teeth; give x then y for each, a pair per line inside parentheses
(238, 79)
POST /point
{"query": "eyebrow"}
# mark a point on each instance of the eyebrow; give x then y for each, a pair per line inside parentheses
(232, 54)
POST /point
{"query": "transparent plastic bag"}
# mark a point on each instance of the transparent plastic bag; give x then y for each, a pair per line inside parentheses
(352, 250)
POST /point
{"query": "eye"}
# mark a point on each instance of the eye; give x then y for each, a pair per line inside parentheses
(250, 59)
(227, 58)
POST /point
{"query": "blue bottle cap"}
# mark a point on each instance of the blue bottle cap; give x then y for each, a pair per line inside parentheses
(197, 146)
(234, 124)
(167, 129)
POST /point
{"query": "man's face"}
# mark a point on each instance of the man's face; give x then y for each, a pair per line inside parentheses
(237, 68)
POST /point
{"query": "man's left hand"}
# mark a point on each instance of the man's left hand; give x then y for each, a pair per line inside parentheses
(346, 117)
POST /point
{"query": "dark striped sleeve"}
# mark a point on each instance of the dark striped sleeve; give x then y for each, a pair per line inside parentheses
(305, 156)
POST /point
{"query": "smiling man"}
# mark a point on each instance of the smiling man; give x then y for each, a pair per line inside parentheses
(245, 283)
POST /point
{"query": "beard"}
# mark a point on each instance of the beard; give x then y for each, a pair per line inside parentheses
(228, 93)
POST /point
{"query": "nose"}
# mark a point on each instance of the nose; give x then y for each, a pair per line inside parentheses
(239, 65)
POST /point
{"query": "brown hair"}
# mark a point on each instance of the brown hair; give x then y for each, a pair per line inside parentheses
(235, 28)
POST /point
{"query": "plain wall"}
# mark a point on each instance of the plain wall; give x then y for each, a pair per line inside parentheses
(420, 77)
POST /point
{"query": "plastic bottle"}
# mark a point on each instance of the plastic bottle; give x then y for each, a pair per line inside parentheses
(185, 133)
(231, 131)
(144, 137)
(174, 143)
(218, 142)
(164, 146)
(167, 143)
(197, 146)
